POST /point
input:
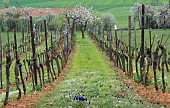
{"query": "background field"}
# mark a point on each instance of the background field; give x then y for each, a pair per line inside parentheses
(120, 8)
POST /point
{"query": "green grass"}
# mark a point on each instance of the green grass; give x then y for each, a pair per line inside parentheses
(91, 77)
(27, 55)
(70, 3)
(157, 32)
(18, 3)
(119, 8)
(11, 37)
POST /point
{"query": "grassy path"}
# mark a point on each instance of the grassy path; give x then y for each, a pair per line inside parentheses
(91, 82)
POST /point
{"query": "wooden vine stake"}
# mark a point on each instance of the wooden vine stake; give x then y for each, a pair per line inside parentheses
(47, 56)
(137, 54)
(116, 37)
(8, 65)
(23, 38)
(52, 48)
(34, 76)
(111, 38)
(150, 36)
(130, 55)
(17, 62)
(116, 57)
(18, 67)
(135, 37)
(155, 56)
(1, 62)
(142, 45)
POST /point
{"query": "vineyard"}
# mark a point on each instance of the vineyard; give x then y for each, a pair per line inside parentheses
(84, 56)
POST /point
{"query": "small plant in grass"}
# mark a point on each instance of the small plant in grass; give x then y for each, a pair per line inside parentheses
(136, 77)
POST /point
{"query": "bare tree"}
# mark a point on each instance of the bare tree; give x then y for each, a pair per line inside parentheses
(49, 13)
(1, 86)
(11, 14)
(84, 15)
(25, 13)
(108, 19)
(2, 21)
(162, 15)
(136, 9)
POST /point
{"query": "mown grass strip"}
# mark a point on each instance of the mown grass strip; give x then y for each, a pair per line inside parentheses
(91, 82)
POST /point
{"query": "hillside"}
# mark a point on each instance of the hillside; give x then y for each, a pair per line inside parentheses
(113, 6)
(99, 4)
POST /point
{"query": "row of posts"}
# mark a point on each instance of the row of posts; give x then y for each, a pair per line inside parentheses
(123, 55)
(58, 52)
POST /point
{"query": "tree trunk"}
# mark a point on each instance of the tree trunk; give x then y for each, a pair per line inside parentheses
(72, 28)
(82, 32)
(164, 23)
(130, 54)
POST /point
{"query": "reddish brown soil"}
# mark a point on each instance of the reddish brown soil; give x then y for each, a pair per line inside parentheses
(149, 92)
(27, 101)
